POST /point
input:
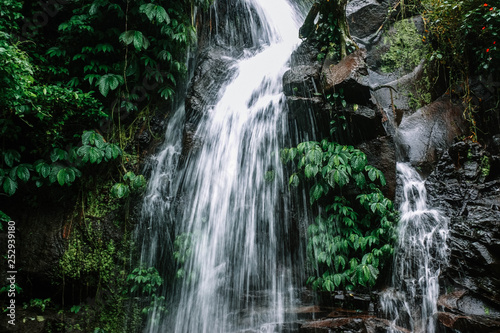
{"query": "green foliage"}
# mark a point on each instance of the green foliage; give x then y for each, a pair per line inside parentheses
(75, 309)
(328, 39)
(351, 242)
(145, 280)
(94, 149)
(485, 166)
(6, 288)
(37, 303)
(463, 36)
(16, 77)
(183, 249)
(3, 218)
(92, 262)
(406, 49)
(465, 32)
(64, 166)
(133, 183)
(101, 65)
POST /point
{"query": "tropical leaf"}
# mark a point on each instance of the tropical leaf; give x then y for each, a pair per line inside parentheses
(120, 190)
(136, 37)
(109, 82)
(23, 172)
(9, 186)
(155, 12)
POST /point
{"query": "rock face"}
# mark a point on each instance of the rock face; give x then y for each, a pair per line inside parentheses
(365, 17)
(349, 75)
(381, 154)
(432, 128)
(466, 186)
(307, 85)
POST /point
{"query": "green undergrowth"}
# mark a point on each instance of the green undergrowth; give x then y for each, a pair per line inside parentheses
(406, 47)
(352, 236)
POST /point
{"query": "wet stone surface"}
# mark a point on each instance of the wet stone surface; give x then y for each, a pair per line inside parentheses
(468, 191)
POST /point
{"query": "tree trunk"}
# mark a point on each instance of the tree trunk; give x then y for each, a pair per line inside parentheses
(325, 7)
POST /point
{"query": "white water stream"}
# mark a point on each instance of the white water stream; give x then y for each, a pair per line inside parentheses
(421, 251)
(232, 206)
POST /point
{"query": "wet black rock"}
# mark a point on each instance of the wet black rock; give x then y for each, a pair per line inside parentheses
(301, 81)
(367, 16)
(349, 75)
(381, 153)
(467, 189)
(214, 68)
(431, 129)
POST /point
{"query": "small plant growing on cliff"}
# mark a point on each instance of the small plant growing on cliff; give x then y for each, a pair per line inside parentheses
(407, 47)
(145, 282)
(352, 237)
(132, 183)
(37, 303)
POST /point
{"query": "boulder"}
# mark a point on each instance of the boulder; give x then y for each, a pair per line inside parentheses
(350, 76)
(465, 313)
(430, 129)
(381, 153)
(214, 68)
(366, 17)
(302, 81)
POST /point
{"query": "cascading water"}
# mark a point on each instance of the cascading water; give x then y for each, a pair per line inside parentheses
(230, 189)
(421, 251)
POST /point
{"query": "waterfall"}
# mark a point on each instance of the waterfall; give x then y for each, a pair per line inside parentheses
(230, 193)
(420, 253)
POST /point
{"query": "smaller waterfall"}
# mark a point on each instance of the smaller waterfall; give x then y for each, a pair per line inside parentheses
(421, 251)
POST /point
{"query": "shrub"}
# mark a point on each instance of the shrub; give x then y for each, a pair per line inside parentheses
(349, 243)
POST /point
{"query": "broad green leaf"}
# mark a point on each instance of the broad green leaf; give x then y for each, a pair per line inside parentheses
(135, 37)
(11, 156)
(95, 155)
(155, 12)
(88, 137)
(310, 170)
(358, 162)
(42, 168)
(138, 182)
(315, 155)
(62, 177)
(337, 279)
(58, 154)
(13, 172)
(54, 171)
(84, 152)
(23, 173)
(329, 285)
(315, 193)
(382, 179)
(164, 55)
(360, 179)
(294, 180)
(120, 190)
(9, 186)
(129, 175)
(115, 150)
(109, 82)
(372, 173)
